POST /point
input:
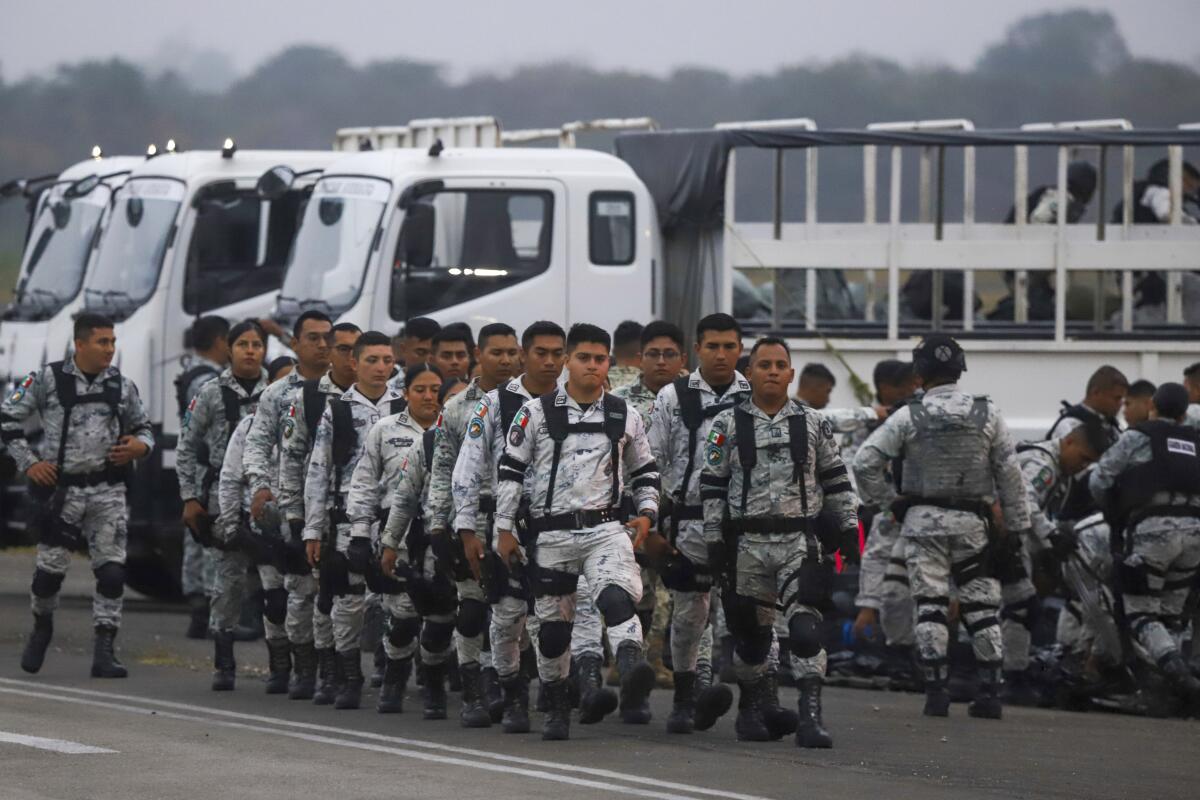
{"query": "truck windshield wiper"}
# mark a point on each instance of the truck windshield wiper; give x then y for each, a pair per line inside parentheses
(306, 303)
(107, 295)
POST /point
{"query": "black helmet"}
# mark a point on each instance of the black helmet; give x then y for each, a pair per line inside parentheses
(1081, 180)
(938, 355)
(1171, 400)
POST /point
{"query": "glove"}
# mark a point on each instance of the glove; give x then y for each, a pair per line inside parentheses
(718, 558)
(296, 528)
(848, 546)
(358, 555)
(1064, 541)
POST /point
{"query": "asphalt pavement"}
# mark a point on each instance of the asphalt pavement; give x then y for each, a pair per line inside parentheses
(162, 733)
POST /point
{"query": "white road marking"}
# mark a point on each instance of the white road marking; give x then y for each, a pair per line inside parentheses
(53, 745)
(422, 743)
(473, 762)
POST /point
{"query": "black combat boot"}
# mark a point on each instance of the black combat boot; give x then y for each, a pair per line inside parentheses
(279, 660)
(380, 665)
(557, 724)
(349, 694)
(434, 691)
(810, 732)
(683, 709)
(454, 680)
(723, 660)
(328, 670)
(637, 681)
(516, 704)
(1180, 678)
(986, 703)
(780, 721)
(595, 699)
(472, 714)
(304, 677)
(104, 660)
(750, 725)
(493, 698)
(713, 701)
(1018, 689)
(197, 616)
(937, 697)
(395, 681)
(224, 667)
(34, 654)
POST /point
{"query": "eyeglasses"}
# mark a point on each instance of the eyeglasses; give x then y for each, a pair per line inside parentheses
(665, 355)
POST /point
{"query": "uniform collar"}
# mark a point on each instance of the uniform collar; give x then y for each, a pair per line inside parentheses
(403, 420)
(517, 385)
(327, 386)
(945, 388)
(71, 368)
(561, 398)
(791, 408)
(739, 384)
(353, 395)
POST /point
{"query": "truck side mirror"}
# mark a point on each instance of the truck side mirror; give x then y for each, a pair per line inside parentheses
(275, 182)
(416, 236)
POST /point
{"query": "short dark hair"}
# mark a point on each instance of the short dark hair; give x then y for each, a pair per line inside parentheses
(627, 333)
(1105, 378)
(420, 328)
(541, 328)
(817, 372)
(453, 334)
(244, 327)
(1192, 372)
(206, 331)
(413, 372)
(587, 333)
(90, 321)
(345, 327)
(765, 341)
(278, 364)
(892, 372)
(494, 329)
(312, 313)
(1171, 400)
(371, 339)
(447, 385)
(1143, 388)
(717, 322)
(659, 328)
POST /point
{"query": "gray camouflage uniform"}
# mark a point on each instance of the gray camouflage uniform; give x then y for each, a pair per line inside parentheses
(1086, 627)
(769, 563)
(970, 458)
(584, 481)
(1163, 552)
(198, 571)
(98, 511)
(348, 609)
(205, 428)
(691, 634)
(392, 466)
(620, 377)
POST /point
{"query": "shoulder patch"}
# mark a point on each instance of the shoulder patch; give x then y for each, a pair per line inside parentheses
(25, 384)
(289, 425)
(475, 428)
(713, 455)
(522, 418)
(516, 435)
(826, 428)
(481, 409)
(716, 438)
(1044, 478)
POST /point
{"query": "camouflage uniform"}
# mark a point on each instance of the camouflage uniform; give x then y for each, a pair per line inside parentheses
(620, 377)
(206, 430)
(98, 512)
(584, 481)
(968, 446)
(319, 504)
(1161, 550)
(1086, 627)
(883, 581)
(439, 507)
(198, 571)
(691, 634)
(1193, 415)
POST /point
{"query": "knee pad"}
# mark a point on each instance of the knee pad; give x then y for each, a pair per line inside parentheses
(110, 580)
(435, 636)
(1021, 612)
(402, 630)
(46, 584)
(805, 635)
(472, 618)
(554, 638)
(755, 648)
(275, 606)
(615, 605)
(932, 609)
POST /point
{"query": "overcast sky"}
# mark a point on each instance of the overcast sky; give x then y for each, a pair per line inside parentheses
(647, 35)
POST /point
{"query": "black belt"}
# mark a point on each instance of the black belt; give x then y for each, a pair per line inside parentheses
(109, 475)
(768, 525)
(682, 512)
(487, 504)
(576, 520)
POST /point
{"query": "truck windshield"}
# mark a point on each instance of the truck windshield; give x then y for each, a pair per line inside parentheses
(57, 252)
(330, 256)
(131, 253)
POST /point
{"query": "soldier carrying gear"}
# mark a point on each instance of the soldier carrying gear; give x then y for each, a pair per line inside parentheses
(770, 467)
(1148, 484)
(94, 427)
(957, 457)
(576, 440)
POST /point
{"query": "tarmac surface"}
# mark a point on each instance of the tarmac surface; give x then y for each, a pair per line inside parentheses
(162, 733)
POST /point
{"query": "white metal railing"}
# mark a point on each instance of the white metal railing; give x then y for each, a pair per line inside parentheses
(567, 134)
(453, 131)
(937, 245)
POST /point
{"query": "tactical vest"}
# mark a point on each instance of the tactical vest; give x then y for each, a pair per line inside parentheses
(184, 381)
(947, 458)
(559, 427)
(510, 405)
(314, 406)
(232, 403)
(1173, 469)
(345, 442)
(68, 398)
(693, 414)
(747, 443)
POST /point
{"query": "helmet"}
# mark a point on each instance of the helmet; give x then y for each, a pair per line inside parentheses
(1081, 180)
(938, 354)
